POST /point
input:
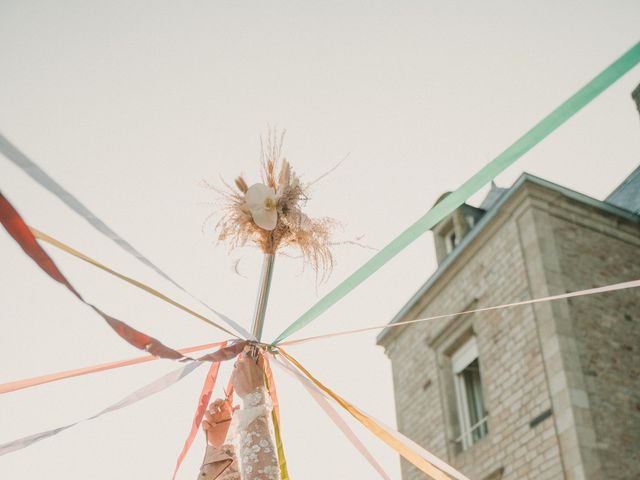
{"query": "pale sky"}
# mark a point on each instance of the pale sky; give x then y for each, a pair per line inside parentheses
(130, 104)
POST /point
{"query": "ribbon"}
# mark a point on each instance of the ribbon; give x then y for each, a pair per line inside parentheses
(319, 398)
(54, 377)
(67, 249)
(224, 354)
(203, 402)
(41, 177)
(271, 386)
(525, 143)
(275, 417)
(152, 388)
(31, 382)
(16, 227)
(421, 458)
(580, 293)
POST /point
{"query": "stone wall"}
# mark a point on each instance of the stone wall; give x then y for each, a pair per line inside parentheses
(598, 251)
(577, 359)
(491, 271)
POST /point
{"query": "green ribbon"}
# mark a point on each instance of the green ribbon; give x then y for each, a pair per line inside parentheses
(525, 143)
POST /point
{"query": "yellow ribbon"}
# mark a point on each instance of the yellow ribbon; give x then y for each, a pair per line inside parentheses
(373, 427)
(268, 381)
(282, 461)
(66, 248)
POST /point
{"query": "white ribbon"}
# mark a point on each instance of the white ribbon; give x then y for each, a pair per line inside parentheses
(319, 396)
(417, 449)
(152, 388)
(581, 293)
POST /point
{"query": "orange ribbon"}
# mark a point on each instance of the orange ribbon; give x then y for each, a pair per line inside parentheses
(318, 396)
(379, 431)
(54, 377)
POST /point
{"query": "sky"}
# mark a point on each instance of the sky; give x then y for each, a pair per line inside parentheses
(130, 105)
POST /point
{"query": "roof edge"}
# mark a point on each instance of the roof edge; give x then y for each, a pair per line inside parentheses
(488, 217)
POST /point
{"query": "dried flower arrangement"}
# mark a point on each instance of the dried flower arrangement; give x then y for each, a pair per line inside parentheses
(269, 214)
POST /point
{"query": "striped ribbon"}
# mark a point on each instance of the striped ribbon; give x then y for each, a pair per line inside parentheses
(525, 143)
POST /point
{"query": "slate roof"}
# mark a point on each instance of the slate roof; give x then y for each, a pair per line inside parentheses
(627, 195)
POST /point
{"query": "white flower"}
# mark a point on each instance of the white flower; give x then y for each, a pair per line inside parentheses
(262, 202)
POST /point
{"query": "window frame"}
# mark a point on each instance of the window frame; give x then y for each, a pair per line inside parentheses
(445, 341)
(461, 359)
(450, 241)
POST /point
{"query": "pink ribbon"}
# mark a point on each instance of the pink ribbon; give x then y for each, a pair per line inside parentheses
(225, 353)
(54, 377)
(319, 398)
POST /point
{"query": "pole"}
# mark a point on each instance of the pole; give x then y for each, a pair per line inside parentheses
(263, 295)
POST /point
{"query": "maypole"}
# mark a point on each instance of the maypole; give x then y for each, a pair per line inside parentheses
(269, 215)
(264, 287)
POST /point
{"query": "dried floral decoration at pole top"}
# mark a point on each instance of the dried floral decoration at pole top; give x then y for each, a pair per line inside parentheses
(270, 214)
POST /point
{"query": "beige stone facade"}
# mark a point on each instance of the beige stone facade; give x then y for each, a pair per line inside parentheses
(560, 380)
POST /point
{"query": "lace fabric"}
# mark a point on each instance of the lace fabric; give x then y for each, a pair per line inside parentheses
(255, 456)
(257, 453)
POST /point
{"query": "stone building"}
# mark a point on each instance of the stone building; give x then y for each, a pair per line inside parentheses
(545, 391)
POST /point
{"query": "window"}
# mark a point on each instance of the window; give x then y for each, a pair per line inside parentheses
(450, 241)
(471, 221)
(468, 389)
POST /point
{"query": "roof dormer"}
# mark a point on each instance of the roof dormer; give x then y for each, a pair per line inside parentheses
(451, 230)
